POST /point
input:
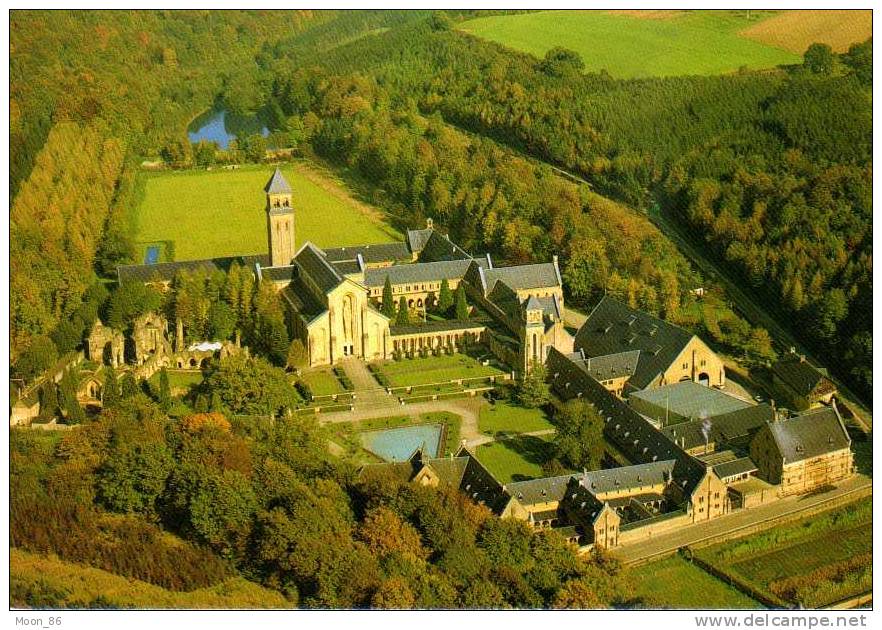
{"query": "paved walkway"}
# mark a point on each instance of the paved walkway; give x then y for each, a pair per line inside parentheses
(766, 516)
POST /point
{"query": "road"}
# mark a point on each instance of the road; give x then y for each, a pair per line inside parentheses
(765, 516)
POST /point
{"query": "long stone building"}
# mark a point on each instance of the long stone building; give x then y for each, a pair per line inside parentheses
(334, 296)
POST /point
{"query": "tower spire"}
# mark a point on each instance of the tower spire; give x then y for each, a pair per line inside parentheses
(279, 220)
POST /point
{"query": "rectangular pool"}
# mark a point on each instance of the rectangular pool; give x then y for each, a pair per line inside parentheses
(396, 445)
(152, 255)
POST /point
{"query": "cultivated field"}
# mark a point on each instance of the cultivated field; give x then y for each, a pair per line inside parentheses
(796, 30)
(671, 44)
(813, 562)
(675, 582)
(40, 582)
(441, 369)
(221, 213)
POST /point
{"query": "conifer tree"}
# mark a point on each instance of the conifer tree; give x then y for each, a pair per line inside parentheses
(388, 300)
(164, 390)
(445, 297)
(128, 385)
(111, 388)
(403, 313)
(462, 306)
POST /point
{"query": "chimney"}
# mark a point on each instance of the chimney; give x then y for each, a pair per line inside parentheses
(554, 259)
(429, 223)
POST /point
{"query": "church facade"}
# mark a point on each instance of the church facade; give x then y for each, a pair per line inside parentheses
(333, 296)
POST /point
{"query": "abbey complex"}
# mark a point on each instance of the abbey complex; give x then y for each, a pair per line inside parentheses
(686, 451)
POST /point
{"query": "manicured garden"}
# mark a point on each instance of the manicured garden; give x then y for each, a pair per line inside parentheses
(427, 370)
(205, 214)
(503, 417)
(813, 562)
(517, 458)
(322, 382)
(674, 582)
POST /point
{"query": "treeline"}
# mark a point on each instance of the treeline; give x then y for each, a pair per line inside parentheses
(267, 500)
(772, 168)
(91, 94)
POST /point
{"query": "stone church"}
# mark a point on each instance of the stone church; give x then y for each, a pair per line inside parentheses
(333, 296)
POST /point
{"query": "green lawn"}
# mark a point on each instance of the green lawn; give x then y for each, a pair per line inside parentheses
(503, 417)
(182, 379)
(322, 383)
(422, 371)
(677, 583)
(516, 459)
(221, 213)
(697, 42)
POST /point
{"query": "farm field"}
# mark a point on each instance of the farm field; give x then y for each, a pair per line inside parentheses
(207, 214)
(504, 417)
(422, 371)
(813, 562)
(675, 582)
(797, 30)
(628, 46)
(40, 582)
(516, 459)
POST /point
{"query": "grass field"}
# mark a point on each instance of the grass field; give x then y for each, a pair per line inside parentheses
(221, 213)
(45, 582)
(504, 417)
(797, 30)
(626, 46)
(322, 382)
(421, 371)
(675, 582)
(813, 562)
(517, 458)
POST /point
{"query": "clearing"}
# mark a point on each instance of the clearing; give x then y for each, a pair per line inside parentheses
(797, 30)
(627, 46)
(207, 214)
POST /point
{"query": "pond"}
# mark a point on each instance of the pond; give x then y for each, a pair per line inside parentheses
(221, 126)
(399, 444)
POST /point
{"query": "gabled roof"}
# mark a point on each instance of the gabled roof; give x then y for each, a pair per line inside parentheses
(278, 274)
(723, 428)
(740, 466)
(277, 184)
(417, 272)
(580, 505)
(311, 262)
(689, 399)
(416, 239)
(450, 470)
(628, 477)
(481, 486)
(539, 490)
(809, 434)
(370, 253)
(523, 277)
(610, 366)
(613, 327)
(166, 272)
(438, 247)
(630, 431)
(802, 377)
(533, 304)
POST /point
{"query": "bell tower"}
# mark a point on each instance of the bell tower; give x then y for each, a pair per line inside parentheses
(279, 220)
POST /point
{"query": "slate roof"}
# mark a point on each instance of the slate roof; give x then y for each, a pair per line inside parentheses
(312, 262)
(400, 471)
(738, 466)
(691, 400)
(610, 366)
(802, 377)
(416, 272)
(416, 239)
(539, 490)
(481, 486)
(628, 477)
(438, 247)
(580, 505)
(450, 470)
(371, 253)
(168, 270)
(277, 184)
(627, 429)
(346, 267)
(303, 300)
(724, 428)
(523, 277)
(551, 307)
(278, 274)
(809, 434)
(533, 304)
(613, 327)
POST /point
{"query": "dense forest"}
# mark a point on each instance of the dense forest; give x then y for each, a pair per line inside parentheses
(186, 503)
(772, 169)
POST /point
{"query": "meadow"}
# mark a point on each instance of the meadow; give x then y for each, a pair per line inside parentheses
(797, 30)
(629, 46)
(206, 214)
